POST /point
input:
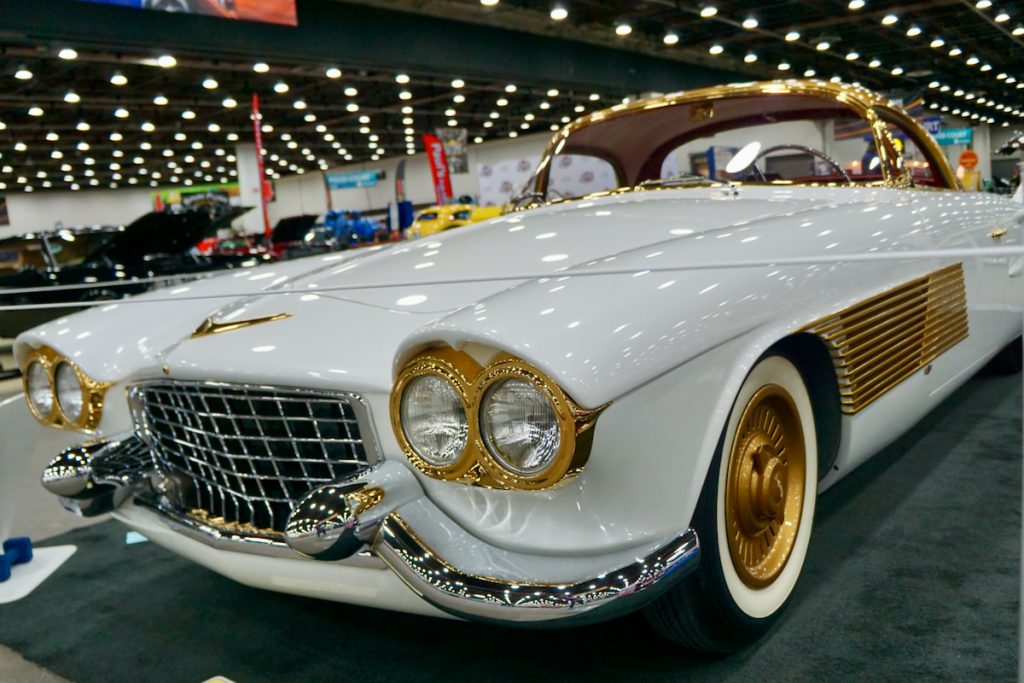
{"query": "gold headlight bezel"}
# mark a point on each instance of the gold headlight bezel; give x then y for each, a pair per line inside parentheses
(476, 465)
(93, 392)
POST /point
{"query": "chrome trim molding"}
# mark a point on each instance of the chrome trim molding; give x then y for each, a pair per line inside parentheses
(95, 478)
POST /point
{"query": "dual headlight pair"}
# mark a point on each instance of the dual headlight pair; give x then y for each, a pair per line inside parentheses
(505, 425)
(59, 394)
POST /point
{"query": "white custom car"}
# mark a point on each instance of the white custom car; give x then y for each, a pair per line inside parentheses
(606, 403)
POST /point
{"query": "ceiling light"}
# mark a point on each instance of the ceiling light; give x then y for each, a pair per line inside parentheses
(750, 58)
(352, 107)
(71, 97)
(792, 36)
(116, 137)
(458, 83)
(333, 72)
(280, 87)
(148, 127)
(118, 79)
(1019, 31)
(955, 52)
(35, 111)
(166, 61)
(553, 92)
(459, 99)
(351, 92)
(229, 102)
(188, 114)
(489, 3)
(822, 46)
(213, 128)
(1002, 17)
(160, 100)
(210, 83)
(987, 67)
(233, 137)
(750, 23)
(405, 95)
(671, 38)
(972, 60)
(56, 154)
(897, 71)
(261, 67)
(402, 79)
(52, 137)
(937, 43)
(934, 84)
(559, 13)
(852, 56)
(983, 4)
(299, 104)
(623, 29)
(809, 73)
(20, 147)
(716, 49)
(889, 19)
(856, 4)
(783, 66)
(121, 113)
(67, 53)
(23, 74)
(708, 11)
(913, 31)
(83, 146)
(511, 87)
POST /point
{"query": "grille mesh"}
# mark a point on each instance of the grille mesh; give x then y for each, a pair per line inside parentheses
(250, 452)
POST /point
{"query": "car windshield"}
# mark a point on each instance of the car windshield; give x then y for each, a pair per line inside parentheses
(426, 216)
(463, 215)
(775, 138)
(71, 249)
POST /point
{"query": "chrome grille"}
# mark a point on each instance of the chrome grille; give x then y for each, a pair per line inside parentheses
(250, 452)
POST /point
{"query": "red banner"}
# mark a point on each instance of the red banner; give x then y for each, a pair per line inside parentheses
(438, 168)
(264, 185)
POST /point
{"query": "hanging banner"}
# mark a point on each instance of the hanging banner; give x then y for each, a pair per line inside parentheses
(438, 168)
(346, 180)
(954, 136)
(265, 11)
(455, 141)
(265, 191)
(400, 182)
(217, 194)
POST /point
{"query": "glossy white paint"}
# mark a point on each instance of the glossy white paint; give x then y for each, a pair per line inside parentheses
(669, 349)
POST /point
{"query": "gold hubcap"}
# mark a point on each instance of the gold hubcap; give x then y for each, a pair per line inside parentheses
(764, 486)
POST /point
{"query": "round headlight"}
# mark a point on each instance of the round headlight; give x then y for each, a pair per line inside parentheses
(40, 394)
(434, 420)
(69, 392)
(519, 427)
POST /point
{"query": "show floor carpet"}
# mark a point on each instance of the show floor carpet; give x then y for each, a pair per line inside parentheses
(913, 574)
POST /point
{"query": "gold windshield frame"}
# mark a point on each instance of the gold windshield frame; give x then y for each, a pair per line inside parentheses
(874, 109)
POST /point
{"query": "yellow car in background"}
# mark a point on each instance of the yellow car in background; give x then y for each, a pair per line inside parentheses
(437, 219)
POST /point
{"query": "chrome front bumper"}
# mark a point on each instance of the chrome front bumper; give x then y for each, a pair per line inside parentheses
(384, 512)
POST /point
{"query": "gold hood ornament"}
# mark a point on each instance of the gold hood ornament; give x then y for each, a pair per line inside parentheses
(210, 326)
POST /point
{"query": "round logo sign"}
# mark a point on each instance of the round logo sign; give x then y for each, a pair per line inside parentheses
(969, 159)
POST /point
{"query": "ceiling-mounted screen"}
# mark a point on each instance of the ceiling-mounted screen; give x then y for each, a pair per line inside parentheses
(268, 11)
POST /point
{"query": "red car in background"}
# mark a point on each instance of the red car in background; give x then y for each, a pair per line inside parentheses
(240, 245)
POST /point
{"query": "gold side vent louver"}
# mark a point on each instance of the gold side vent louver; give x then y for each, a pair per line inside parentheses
(879, 342)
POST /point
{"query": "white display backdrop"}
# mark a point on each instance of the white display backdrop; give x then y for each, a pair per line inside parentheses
(501, 181)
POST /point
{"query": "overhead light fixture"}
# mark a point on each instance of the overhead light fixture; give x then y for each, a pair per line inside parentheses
(1002, 17)
(458, 83)
(716, 49)
(489, 3)
(299, 104)
(750, 58)
(148, 127)
(23, 74)
(937, 43)
(897, 71)
(986, 67)
(809, 73)
(708, 11)
(559, 13)
(118, 79)
(35, 111)
(856, 4)
(822, 46)
(913, 31)
(280, 87)
(160, 100)
(351, 92)
(1019, 31)
(82, 126)
(121, 113)
(956, 52)
(511, 88)
(405, 95)
(402, 79)
(210, 83)
(671, 38)
(852, 56)
(750, 23)
(623, 29)
(792, 36)
(783, 66)
(333, 72)
(68, 54)
(71, 97)
(229, 102)
(261, 67)
(52, 137)
(889, 19)
(166, 61)
(972, 60)
(188, 114)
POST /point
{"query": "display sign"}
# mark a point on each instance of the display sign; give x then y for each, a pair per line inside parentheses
(932, 124)
(438, 168)
(266, 11)
(455, 140)
(197, 195)
(954, 136)
(345, 180)
(969, 159)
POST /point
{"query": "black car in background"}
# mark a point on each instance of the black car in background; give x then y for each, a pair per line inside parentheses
(118, 261)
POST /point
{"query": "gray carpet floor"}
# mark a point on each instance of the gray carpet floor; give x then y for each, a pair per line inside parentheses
(913, 574)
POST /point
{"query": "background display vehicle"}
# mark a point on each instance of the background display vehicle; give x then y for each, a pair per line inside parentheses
(53, 266)
(514, 437)
(298, 236)
(436, 219)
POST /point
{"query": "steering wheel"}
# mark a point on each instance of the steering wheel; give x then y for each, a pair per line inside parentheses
(806, 150)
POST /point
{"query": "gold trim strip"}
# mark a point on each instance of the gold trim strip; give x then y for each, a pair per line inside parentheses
(885, 339)
(210, 326)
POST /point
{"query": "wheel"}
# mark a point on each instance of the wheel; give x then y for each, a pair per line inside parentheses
(753, 517)
(1008, 361)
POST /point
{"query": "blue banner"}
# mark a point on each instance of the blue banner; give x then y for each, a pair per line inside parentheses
(350, 179)
(954, 136)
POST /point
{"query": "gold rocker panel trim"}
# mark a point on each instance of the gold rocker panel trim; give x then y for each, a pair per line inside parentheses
(883, 340)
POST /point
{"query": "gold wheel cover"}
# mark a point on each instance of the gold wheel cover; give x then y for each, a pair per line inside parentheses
(764, 486)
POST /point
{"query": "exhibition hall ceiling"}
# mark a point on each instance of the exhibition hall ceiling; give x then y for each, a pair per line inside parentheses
(77, 114)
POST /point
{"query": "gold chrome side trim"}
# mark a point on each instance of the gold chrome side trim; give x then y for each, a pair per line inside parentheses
(883, 340)
(476, 466)
(93, 392)
(210, 326)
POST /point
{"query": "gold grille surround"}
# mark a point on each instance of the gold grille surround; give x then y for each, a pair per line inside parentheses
(878, 343)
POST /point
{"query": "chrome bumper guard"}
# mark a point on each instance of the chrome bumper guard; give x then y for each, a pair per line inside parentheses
(337, 520)
(371, 512)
